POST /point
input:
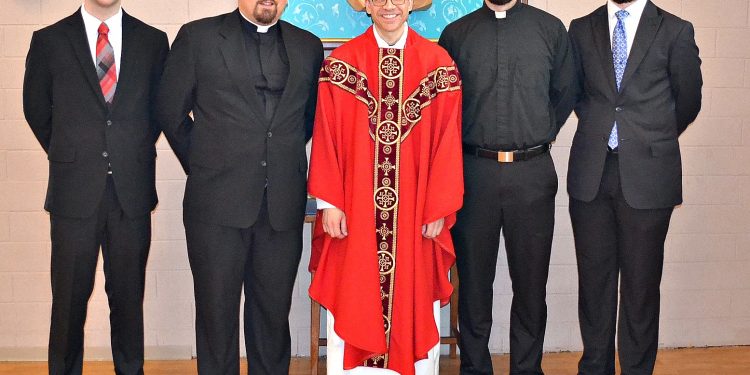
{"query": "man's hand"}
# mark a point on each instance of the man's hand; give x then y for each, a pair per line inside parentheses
(433, 229)
(334, 223)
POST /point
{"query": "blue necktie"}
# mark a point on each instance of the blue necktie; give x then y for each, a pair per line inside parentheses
(620, 58)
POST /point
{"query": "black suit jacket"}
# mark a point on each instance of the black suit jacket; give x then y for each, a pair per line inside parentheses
(660, 95)
(64, 105)
(229, 150)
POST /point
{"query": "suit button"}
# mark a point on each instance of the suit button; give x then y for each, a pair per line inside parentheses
(618, 109)
(105, 154)
(109, 122)
(263, 163)
(269, 134)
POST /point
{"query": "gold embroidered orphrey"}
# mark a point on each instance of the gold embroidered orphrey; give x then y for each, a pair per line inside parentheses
(391, 119)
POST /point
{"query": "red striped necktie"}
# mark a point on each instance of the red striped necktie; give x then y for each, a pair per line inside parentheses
(105, 64)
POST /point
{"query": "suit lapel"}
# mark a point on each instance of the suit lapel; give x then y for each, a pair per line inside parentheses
(77, 35)
(604, 46)
(644, 37)
(128, 61)
(293, 54)
(235, 57)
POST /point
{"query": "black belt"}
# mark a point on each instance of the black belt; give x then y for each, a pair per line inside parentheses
(507, 156)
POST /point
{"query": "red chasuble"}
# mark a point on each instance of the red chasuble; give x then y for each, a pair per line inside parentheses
(387, 151)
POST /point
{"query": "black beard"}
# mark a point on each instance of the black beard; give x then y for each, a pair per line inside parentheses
(500, 2)
(265, 17)
(619, 1)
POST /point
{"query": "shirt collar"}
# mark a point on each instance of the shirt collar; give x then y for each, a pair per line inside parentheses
(499, 15)
(400, 44)
(261, 28)
(635, 10)
(114, 22)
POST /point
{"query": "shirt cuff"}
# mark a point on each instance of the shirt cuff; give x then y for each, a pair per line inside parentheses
(322, 205)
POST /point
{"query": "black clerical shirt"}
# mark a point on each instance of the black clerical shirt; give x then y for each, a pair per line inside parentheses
(269, 64)
(518, 76)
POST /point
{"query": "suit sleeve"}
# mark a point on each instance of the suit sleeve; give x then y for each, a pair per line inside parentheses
(162, 49)
(563, 87)
(37, 92)
(685, 77)
(176, 96)
(579, 76)
(313, 98)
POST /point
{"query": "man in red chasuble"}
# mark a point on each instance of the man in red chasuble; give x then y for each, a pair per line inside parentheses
(386, 168)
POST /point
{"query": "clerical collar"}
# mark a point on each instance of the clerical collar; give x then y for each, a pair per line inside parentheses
(400, 44)
(260, 28)
(502, 15)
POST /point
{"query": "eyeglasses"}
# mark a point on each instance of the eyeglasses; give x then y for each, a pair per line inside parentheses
(380, 3)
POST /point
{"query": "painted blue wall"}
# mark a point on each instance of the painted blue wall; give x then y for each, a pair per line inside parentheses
(335, 19)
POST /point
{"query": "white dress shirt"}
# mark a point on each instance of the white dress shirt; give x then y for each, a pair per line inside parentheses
(114, 23)
(400, 44)
(635, 11)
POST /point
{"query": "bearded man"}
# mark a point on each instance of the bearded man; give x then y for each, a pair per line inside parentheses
(250, 81)
(386, 161)
(519, 89)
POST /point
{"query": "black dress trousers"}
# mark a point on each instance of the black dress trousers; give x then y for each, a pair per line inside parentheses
(265, 261)
(618, 244)
(124, 242)
(519, 199)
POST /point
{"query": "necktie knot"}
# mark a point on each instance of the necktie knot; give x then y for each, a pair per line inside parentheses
(621, 15)
(103, 29)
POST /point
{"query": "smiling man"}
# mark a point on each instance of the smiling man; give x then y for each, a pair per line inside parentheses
(250, 81)
(386, 161)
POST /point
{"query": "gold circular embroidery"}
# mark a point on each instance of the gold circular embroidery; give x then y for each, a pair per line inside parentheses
(386, 198)
(386, 324)
(390, 67)
(388, 132)
(386, 263)
(339, 72)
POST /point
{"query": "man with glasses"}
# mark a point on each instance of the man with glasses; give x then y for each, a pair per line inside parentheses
(386, 161)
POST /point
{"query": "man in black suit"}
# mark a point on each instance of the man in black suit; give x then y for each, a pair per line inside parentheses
(640, 92)
(88, 91)
(250, 81)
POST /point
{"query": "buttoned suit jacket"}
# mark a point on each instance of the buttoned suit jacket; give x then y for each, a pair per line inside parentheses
(660, 96)
(232, 154)
(82, 136)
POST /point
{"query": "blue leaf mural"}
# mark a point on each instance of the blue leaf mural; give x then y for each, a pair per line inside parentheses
(335, 19)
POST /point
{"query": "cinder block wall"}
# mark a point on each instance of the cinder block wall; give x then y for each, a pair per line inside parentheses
(706, 287)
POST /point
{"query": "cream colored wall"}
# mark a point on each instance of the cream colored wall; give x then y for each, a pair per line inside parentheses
(706, 287)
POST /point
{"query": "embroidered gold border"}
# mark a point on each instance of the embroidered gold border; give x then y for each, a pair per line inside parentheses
(388, 136)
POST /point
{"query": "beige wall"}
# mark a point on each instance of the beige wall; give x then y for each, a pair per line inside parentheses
(706, 288)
